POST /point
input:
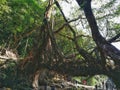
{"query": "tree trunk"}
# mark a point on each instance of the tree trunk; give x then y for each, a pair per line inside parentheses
(46, 54)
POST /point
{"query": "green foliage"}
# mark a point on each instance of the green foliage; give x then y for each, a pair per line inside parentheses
(9, 77)
(92, 81)
(17, 19)
(117, 27)
(66, 45)
(78, 79)
(109, 4)
(118, 11)
(25, 14)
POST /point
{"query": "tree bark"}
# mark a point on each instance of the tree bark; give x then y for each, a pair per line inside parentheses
(105, 48)
(46, 54)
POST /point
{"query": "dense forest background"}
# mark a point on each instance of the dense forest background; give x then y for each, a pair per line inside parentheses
(39, 42)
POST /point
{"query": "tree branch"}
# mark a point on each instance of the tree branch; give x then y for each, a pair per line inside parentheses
(110, 41)
(106, 49)
(79, 67)
(81, 51)
(114, 38)
(67, 23)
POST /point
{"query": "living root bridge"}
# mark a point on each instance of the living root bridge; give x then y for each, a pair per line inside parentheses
(46, 54)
